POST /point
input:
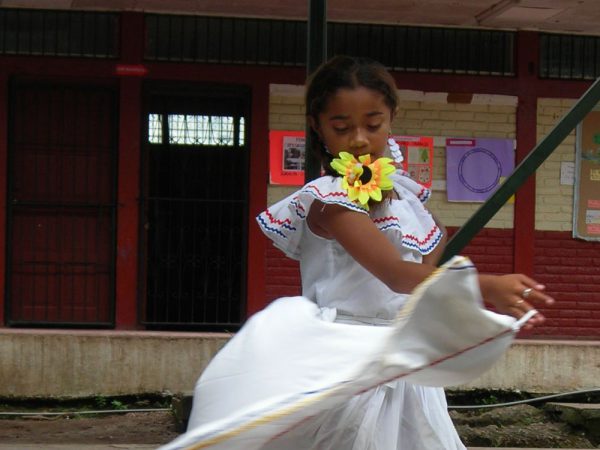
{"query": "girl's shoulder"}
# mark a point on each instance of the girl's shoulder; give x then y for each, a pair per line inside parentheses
(284, 221)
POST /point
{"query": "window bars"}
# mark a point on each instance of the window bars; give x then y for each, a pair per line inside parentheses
(283, 43)
(194, 208)
(59, 33)
(569, 57)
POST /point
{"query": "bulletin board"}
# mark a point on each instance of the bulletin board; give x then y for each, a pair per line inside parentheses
(286, 157)
(418, 157)
(287, 151)
(586, 208)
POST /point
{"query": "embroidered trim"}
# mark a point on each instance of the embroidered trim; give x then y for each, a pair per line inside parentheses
(281, 230)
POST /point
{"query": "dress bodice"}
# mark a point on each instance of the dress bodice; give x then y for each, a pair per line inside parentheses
(330, 276)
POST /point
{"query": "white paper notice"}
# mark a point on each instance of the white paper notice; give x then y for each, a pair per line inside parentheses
(567, 173)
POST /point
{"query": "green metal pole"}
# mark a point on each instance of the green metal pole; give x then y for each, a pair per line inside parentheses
(527, 167)
(316, 55)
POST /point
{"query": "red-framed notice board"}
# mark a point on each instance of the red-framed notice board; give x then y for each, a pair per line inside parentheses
(287, 151)
(418, 157)
(286, 157)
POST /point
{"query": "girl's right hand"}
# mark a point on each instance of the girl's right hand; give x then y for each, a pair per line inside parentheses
(515, 295)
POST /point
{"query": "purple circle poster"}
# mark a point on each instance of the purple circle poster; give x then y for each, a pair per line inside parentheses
(476, 167)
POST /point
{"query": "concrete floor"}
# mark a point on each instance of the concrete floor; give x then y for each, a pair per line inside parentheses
(142, 447)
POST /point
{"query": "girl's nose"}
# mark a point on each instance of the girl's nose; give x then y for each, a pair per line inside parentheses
(358, 139)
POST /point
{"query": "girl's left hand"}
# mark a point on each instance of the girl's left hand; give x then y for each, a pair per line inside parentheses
(515, 295)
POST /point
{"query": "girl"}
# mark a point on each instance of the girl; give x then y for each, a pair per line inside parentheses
(345, 365)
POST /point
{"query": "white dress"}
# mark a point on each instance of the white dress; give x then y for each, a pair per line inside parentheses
(349, 365)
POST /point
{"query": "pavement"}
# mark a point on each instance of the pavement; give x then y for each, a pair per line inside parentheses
(149, 447)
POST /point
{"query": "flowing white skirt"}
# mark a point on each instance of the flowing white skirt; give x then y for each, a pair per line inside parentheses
(292, 379)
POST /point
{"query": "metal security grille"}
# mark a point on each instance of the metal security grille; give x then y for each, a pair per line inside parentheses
(283, 43)
(62, 206)
(225, 40)
(569, 57)
(59, 33)
(194, 208)
(427, 49)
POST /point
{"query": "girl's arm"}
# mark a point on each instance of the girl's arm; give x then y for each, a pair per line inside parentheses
(367, 245)
(372, 249)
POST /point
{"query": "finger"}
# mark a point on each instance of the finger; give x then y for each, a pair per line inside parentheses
(531, 283)
(519, 307)
(540, 298)
(534, 321)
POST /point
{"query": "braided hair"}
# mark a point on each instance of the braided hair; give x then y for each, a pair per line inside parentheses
(349, 73)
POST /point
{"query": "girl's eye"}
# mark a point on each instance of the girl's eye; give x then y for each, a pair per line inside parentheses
(374, 127)
(340, 130)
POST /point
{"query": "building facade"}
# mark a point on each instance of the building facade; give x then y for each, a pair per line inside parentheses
(135, 156)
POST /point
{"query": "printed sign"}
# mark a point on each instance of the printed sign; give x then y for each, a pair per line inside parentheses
(286, 157)
(476, 167)
(418, 157)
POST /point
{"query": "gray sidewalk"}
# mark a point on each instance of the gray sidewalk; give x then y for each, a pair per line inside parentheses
(150, 447)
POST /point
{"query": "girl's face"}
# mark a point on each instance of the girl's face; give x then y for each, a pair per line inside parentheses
(356, 121)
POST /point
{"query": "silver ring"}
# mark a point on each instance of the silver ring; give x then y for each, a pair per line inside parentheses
(519, 302)
(526, 293)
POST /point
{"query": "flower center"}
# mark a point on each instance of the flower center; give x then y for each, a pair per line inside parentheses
(366, 175)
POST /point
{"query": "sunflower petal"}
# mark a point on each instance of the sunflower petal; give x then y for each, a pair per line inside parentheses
(365, 159)
(375, 194)
(363, 197)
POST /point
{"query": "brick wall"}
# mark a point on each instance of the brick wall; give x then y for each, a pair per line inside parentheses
(554, 202)
(283, 275)
(570, 268)
(491, 250)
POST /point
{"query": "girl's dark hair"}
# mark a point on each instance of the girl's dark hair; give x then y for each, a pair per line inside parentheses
(350, 73)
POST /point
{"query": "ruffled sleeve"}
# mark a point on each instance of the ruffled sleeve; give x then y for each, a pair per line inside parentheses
(283, 222)
(403, 181)
(406, 218)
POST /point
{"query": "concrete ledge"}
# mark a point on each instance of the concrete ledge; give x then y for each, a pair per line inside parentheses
(76, 363)
(544, 366)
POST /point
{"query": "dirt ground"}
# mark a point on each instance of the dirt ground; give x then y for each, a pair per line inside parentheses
(519, 426)
(129, 428)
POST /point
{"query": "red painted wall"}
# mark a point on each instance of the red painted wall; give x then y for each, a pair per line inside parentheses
(282, 275)
(569, 268)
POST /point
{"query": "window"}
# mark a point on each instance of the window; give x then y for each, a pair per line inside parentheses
(186, 129)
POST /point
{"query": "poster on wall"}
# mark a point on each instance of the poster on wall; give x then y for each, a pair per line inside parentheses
(476, 167)
(418, 157)
(586, 210)
(286, 157)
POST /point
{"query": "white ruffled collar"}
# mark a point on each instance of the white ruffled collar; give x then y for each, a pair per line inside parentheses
(406, 216)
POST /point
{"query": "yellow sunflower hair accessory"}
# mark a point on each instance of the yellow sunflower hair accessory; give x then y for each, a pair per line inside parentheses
(363, 179)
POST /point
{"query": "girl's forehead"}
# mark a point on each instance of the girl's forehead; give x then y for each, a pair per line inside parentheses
(355, 100)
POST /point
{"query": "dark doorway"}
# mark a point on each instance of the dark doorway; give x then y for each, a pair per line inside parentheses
(61, 204)
(194, 207)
